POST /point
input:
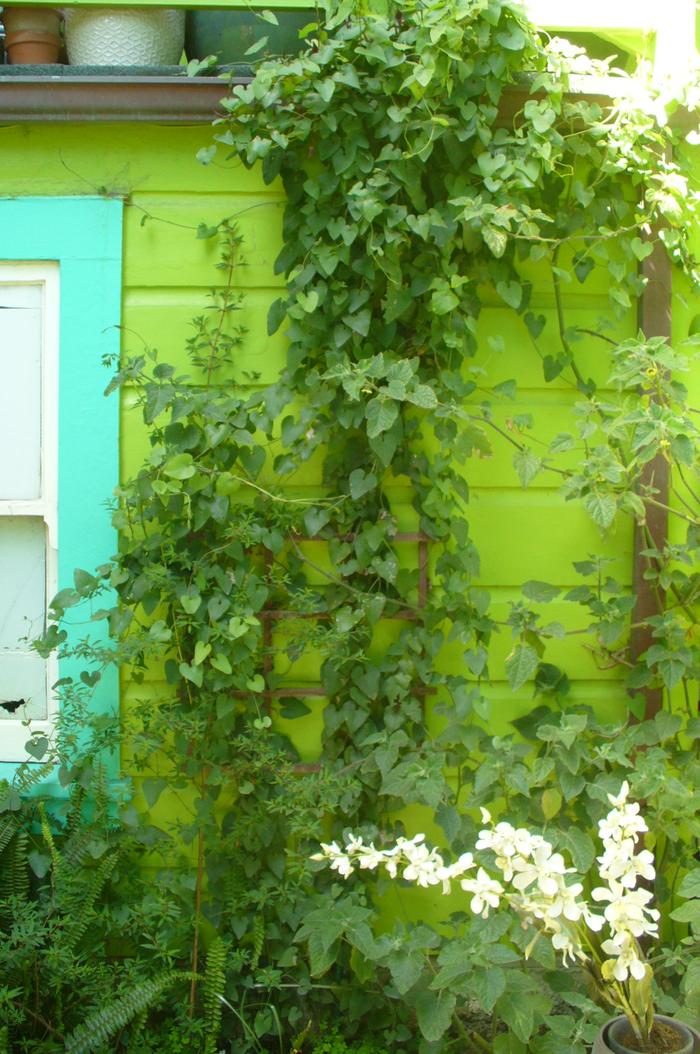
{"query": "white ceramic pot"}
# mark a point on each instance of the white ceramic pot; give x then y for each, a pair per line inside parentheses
(601, 1045)
(128, 36)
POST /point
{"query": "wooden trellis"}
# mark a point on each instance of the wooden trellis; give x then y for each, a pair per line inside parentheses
(269, 616)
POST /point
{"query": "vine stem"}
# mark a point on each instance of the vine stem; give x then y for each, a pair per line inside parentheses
(197, 919)
(693, 520)
(561, 321)
(286, 501)
(214, 340)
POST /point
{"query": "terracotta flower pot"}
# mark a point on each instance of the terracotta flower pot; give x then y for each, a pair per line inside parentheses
(32, 35)
(610, 1039)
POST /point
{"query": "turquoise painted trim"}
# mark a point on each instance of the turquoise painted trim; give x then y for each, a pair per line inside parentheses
(85, 236)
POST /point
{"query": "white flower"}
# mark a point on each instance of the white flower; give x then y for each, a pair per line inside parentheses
(354, 844)
(452, 871)
(566, 902)
(342, 865)
(627, 909)
(340, 861)
(423, 865)
(562, 942)
(626, 960)
(536, 887)
(399, 851)
(594, 922)
(506, 840)
(392, 866)
(620, 799)
(487, 892)
(545, 868)
(406, 845)
(509, 844)
(370, 858)
(622, 824)
(620, 864)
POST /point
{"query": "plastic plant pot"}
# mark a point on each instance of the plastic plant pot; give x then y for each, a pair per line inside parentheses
(610, 1039)
(229, 34)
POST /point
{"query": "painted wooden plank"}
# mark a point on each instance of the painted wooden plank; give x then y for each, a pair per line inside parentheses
(22, 573)
(168, 253)
(506, 349)
(22, 607)
(118, 161)
(519, 535)
(526, 534)
(162, 319)
(22, 681)
(20, 390)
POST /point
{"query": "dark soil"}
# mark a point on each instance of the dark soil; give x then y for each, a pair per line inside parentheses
(663, 1040)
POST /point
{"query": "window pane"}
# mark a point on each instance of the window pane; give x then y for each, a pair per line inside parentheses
(22, 606)
(20, 391)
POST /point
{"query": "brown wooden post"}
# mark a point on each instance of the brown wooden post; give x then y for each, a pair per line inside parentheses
(654, 321)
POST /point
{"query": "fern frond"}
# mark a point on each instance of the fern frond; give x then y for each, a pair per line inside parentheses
(48, 838)
(75, 811)
(30, 775)
(15, 871)
(258, 939)
(78, 906)
(135, 1045)
(235, 887)
(77, 851)
(96, 1031)
(78, 909)
(212, 991)
(8, 827)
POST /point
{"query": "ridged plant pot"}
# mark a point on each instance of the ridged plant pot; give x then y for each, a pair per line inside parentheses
(610, 1039)
(32, 35)
(229, 34)
(128, 36)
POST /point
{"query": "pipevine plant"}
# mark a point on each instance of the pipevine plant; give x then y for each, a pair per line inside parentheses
(435, 162)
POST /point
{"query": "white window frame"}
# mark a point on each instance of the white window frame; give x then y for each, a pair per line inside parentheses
(14, 732)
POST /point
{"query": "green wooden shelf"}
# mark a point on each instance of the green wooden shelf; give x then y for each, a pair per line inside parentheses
(162, 95)
(74, 94)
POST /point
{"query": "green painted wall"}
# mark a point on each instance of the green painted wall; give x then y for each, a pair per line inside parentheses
(167, 273)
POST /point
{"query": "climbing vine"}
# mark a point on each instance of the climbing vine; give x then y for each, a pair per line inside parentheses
(423, 181)
(272, 565)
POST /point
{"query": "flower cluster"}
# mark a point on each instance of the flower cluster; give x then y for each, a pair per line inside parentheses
(627, 912)
(539, 891)
(533, 881)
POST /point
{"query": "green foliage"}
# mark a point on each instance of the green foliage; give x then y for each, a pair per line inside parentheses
(334, 1043)
(212, 993)
(412, 202)
(103, 1025)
